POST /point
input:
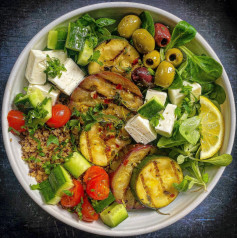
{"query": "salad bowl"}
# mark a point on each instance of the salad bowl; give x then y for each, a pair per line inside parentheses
(135, 225)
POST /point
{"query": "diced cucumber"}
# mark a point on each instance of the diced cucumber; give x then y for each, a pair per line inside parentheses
(114, 214)
(76, 165)
(85, 54)
(48, 193)
(48, 107)
(60, 180)
(35, 97)
(57, 38)
(76, 36)
(31, 99)
(100, 205)
(150, 108)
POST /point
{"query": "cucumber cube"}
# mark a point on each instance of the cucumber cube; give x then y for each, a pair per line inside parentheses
(76, 165)
(99, 206)
(76, 36)
(60, 180)
(114, 214)
(151, 108)
(57, 38)
(86, 53)
(48, 193)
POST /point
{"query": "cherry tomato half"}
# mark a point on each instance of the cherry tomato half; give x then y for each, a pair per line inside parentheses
(88, 212)
(93, 172)
(60, 116)
(16, 120)
(98, 188)
(77, 193)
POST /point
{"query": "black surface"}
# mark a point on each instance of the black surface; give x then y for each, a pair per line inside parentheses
(20, 20)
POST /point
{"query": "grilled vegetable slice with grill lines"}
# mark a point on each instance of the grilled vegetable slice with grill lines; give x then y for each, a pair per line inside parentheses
(117, 55)
(152, 181)
(121, 178)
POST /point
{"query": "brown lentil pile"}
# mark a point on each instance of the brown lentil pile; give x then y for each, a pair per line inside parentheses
(42, 157)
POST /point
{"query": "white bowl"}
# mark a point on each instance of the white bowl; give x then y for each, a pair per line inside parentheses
(140, 221)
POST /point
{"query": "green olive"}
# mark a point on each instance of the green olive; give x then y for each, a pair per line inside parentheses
(128, 25)
(152, 59)
(165, 73)
(174, 56)
(143, 41)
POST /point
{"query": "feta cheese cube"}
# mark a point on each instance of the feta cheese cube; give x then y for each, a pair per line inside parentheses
(37, 63)
(176, 96)
(47, 91)
(69, 79)
(166, 125)
(140, 130)
(161, 96)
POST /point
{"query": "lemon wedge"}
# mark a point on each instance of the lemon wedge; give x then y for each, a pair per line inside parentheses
(212, 128)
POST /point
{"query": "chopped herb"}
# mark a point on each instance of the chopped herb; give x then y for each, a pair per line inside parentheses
(128, 69)
(95, 57)
(54, 67)
(25, 89)
(68, 193)
(52, 140)
(74, 123)
(35, 186)
(14, 130)
(151, 71)
(33, 159)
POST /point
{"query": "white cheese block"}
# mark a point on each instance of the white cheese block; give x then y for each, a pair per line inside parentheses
(69, 79)
(48, 90)
(140, 130)
(176, 96)
(166, 125)
(161, 96)
(37, 64)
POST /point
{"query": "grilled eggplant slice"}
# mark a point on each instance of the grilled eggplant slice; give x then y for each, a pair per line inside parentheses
(121, 177)
(121, 98)
(117, 55)
(152, 181)
(100, 146)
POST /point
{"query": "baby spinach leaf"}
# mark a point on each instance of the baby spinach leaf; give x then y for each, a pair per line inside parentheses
(101, 22)
(188, 129)
(222, 160)
(201, 69)
(207, 88)
(147, 22)
(177, 83)
(218, 94)
(182, 34)
(165, 142)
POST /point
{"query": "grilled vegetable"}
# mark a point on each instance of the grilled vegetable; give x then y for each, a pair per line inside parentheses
(152, 181)
(110, 88)
(121, 178)
(117, 55)
(100, 145)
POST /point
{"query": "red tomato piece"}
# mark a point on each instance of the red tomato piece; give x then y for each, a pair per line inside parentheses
(16, 120)
(88, 212)
(93, 172)
(98, 188)
(77, 193)
(60, 116)
(162, 35)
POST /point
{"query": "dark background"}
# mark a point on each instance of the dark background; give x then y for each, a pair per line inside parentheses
(20, 20)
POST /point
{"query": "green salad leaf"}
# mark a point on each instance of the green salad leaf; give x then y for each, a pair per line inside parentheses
(201, 69)
(102, 22)
(182, 34)
(147, 22)
(188, 129)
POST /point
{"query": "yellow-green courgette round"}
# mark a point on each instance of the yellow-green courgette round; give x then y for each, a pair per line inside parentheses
(152, 181)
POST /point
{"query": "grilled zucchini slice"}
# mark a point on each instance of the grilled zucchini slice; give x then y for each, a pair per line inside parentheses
(117, 55)
(152, 181)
